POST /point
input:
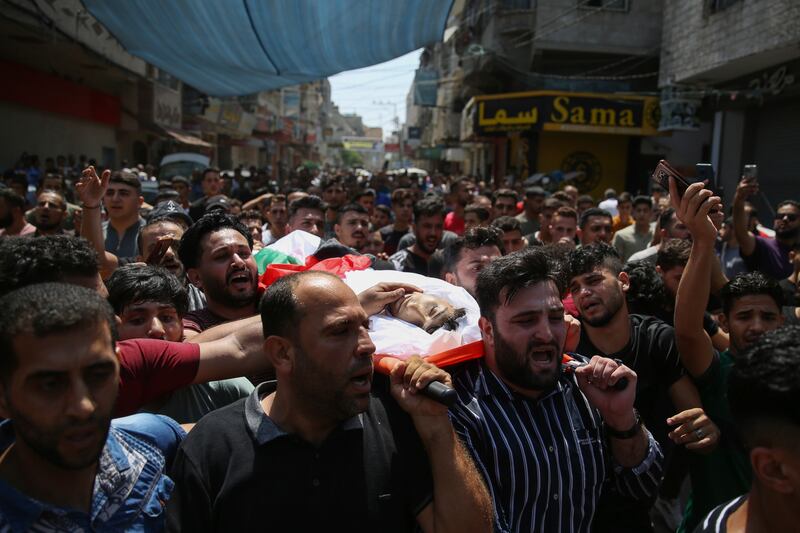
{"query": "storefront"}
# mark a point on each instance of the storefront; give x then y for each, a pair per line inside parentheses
(595, 135)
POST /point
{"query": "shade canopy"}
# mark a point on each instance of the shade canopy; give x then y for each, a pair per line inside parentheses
(236, 47)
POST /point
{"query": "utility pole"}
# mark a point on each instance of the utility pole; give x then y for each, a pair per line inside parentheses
(401, 146)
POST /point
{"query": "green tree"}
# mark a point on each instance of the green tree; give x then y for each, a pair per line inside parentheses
(351, 158)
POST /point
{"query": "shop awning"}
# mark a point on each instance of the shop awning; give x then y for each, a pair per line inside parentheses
(185, 138)
(235, 47)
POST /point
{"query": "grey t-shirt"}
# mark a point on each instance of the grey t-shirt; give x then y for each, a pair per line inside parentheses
(190, 404)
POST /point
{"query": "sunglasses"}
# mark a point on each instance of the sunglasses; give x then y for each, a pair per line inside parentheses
(788, 216)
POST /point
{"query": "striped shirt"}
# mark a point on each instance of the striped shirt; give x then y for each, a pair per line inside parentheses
(717, 520)
(545, 461)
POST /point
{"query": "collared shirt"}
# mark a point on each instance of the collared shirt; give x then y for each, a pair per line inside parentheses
(124, 246)
(547, 460)
(130, 487)
(239, 471)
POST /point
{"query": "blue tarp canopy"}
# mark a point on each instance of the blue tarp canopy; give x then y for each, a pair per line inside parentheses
(235, 47)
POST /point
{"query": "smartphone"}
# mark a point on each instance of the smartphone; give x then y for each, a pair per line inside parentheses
(664, 172)
(750, 172)
(703, 172)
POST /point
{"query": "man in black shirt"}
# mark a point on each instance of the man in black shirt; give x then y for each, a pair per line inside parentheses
(403, 208)
(316, 450)
(644, 343)
(428, 229)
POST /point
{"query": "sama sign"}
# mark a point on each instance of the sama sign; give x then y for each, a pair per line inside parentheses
(491, 115)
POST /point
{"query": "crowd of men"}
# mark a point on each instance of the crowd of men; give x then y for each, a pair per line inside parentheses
(637, 372)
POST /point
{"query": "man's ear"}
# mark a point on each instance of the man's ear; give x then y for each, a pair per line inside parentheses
(194, 277)
(337, 229)
(723, 322)
(771, 470)
(118, 320)
(279, 352)
(625, 281)
(141, 200)
(450, 278)
(487, 331)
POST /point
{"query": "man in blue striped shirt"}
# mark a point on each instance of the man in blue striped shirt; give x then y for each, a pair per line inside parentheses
(546, 441)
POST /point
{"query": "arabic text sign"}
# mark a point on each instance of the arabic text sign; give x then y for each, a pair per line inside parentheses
(565, 112)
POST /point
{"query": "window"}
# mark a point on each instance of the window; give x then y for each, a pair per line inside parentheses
(719, 5)
(607, 5)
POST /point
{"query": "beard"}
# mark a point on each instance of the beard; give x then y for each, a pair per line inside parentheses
(45, 442)
(612, 305)
(787, 234)
(6, 221)
(422, 245)
(326, 393)
(223, 293)
(515, 366)
(40, 224)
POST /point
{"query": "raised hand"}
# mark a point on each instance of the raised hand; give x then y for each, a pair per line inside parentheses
(694, 429)
(91, 188)
(692, 209)
(596, 380)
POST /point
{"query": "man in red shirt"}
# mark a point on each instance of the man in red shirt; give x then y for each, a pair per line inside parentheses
(461, 192)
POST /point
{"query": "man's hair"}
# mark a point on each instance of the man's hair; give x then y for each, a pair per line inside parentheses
(12, 199)
(132, 284)
(792, 203)
(552, 203)
(643, 200)
(482, 213)
(311, 201)
(358, 208)
(384, 209)
(190, 250)
(764, 387)
(504, 193)
(609, 193)
(274, 199)
(593, 212)
(25, 261)
(44, 309)
(250, 214)
(126, 178)
(562, 197)
(280, 310)
(566, 212)
(748, 284)
(583, 198)
(665, 217)
(507, 223)
(208, 170)
(511, 273)
(673, 253)
(597, 255)
(473, 239)
(646, 294)
(624, 196)
(401, 195)
(329, 181)
(363, 192)
(535, 191)
(451, 323)
(458, 183)
(427, 207)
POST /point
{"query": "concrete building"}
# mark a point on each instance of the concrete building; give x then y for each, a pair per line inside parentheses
(738, 62)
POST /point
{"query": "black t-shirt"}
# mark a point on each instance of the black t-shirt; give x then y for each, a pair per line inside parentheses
(238, 471)
(391, 238)
(653, 354)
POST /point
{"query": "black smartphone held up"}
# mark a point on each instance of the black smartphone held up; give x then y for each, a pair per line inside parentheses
(664, 172)
(705, 172)
(750, 172)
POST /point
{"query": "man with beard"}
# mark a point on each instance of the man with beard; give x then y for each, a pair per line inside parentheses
(647, 344)
(49, 213)
(595, 226)
(751, 306)
(352, 226)
(461, 191)
(428, 227)
(217, 255)
(12, 215)
(770, 256)
(334, 196)
(65, 466)
(468, 255)
(547, 442)
(322, 447)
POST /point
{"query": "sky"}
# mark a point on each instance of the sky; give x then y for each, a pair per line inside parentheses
(370, 91)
